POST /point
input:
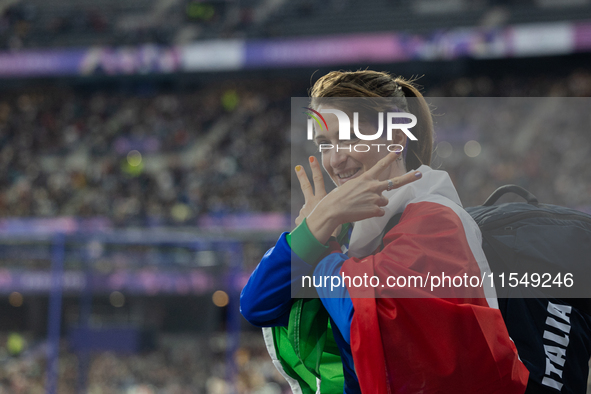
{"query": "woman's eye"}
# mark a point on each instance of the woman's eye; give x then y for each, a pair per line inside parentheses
(319, 144)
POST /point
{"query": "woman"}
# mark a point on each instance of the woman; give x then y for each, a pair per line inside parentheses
(377, 339)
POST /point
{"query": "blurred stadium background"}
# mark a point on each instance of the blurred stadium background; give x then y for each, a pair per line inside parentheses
(145, 163)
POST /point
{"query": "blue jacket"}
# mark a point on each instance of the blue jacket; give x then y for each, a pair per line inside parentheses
(267, 297)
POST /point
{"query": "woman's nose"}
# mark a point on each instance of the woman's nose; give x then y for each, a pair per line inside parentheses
(338, 157)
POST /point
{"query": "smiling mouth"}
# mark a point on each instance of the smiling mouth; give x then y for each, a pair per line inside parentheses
(348, 174)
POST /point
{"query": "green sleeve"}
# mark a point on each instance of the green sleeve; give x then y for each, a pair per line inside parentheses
(305, 245)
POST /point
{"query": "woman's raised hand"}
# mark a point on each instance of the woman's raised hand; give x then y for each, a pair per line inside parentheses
(358, 199)
(312, 196)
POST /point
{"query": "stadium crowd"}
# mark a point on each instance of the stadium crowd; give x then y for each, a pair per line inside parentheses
(28, 24)
(144, 159)
(154, 158)
(182, 364)
(536, 138)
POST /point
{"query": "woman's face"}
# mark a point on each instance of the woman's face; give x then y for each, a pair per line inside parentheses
(349, 163)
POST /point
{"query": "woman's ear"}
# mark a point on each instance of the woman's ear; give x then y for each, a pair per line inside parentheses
(398, 137)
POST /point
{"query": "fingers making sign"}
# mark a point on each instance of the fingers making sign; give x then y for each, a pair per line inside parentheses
(358, 199)
(312, 195)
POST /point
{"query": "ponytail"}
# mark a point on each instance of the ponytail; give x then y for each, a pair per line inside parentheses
(418, 152)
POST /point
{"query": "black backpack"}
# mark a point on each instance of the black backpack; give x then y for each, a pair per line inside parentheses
(551, 324)
(549, 319)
